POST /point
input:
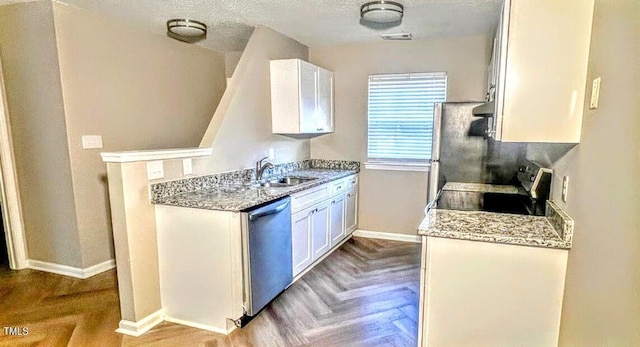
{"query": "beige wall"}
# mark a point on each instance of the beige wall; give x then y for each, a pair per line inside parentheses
(71, 72)
(392, 201)
(231, 60)
(34, 98)
(137, 89)
(602, 294)
(240, 131)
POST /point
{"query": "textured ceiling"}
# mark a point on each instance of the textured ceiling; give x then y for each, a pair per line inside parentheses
(312, 22)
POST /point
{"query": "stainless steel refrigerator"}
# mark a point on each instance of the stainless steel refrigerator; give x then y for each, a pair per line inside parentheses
(461, 152)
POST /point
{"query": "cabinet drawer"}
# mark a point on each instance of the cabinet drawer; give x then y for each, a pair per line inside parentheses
(309, 197)
(352, 181)
(338, 186)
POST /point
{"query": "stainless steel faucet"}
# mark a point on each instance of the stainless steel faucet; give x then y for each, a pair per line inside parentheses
(260, 167)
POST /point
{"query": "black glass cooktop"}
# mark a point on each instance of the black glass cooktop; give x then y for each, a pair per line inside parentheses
(482, 201)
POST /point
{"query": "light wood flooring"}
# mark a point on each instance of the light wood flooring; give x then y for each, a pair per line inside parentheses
(364, 294)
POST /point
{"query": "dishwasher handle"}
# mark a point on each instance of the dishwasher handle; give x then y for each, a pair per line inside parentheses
(274, 210)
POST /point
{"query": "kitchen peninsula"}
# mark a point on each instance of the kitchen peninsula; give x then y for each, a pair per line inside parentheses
(493, 277)
(214, 232)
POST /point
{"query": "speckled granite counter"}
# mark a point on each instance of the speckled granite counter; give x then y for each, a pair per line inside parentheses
(483, 188)
(232, 195)
(553, 231)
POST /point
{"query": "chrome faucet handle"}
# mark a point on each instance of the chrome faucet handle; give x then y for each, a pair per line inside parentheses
(259, 164)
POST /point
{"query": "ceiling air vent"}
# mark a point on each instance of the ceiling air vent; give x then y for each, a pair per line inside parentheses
(401, 36)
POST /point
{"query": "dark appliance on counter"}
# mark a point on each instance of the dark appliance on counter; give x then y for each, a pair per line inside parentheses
(461, 151)
(266, 240)
(529, 197)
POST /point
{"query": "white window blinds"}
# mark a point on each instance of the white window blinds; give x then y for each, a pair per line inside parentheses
(401, 115)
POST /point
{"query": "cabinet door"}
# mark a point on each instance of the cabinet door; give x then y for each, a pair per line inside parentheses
(500, 60)
(325, 116)
(545, 70)
(301, 240)
(492, 73)
(320, 229)
(351, 218)
(308, 92)
(336, 216)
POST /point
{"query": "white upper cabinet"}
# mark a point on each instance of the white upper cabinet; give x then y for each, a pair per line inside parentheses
(542, 51)
(301, 98)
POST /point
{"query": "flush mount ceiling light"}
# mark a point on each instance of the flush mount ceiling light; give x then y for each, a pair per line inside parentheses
(381, 12)
(186, 30)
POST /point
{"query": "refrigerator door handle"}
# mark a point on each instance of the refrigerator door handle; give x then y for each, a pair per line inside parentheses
(434, 172)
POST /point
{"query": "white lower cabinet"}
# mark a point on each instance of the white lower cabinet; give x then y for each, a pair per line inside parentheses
(336, 215)
(310, 235)
(351, 211)
(320, 241)
(490, 294)
(200, 266)
(322, 217)
(301, 240)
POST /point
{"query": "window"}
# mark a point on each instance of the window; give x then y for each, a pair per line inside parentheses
(400, 123)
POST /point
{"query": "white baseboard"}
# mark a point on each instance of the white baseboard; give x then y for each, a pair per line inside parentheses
(99, 268)
(71, 271)
(387, 236)
(142, 326)
(200, 325)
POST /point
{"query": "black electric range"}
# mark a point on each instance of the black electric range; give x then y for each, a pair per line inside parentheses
(528, 198)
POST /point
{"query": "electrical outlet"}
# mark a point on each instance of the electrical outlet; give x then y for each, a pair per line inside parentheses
(595, 93)
(91, 141)
(187, 166)
(565, 188)
(155, 170)
(272, 153)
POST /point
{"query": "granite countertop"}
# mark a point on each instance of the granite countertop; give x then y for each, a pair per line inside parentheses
(552, 231)
(238, 197)
(483, 188)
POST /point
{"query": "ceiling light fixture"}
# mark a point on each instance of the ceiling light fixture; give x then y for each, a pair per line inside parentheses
(186, 30)
(382, 11)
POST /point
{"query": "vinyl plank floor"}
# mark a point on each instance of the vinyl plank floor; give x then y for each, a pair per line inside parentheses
(364, 294)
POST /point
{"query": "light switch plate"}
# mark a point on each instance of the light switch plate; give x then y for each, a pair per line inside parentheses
(187, 166)
(155, 170)
(91, 141)
(272, 153)
(595, 93)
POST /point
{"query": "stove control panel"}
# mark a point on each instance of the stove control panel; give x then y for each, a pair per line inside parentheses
(535, 179)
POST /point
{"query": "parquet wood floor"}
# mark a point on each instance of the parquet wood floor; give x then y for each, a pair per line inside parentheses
(364, 294)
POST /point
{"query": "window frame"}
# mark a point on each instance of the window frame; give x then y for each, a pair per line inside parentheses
(397, 164)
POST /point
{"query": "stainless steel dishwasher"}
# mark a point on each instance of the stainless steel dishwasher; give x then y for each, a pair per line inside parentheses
(266, 241)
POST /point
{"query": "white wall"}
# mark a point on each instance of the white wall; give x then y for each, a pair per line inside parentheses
(602, 294)
(392, 201)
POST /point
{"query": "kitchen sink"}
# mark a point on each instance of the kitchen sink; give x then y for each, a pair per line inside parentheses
(286, 182)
